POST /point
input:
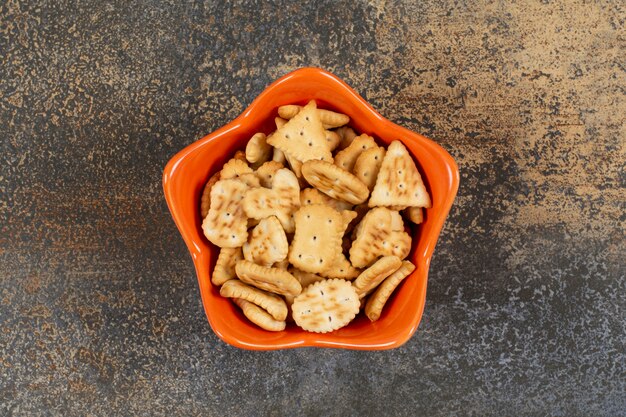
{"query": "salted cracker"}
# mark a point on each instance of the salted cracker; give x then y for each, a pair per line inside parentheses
(414, 214)
(225, 265)
(235, 168)
(375, 274)
(205, 198)
(266, 173)
(274, 280)
(280, 201)
(341, 267)
(330, 119)
(380, 233)
(326, 306)
(272, 303)
(334, 181)
(259, 316)
(226, 222)
(368, 164)
(376, 301)
(303, 137)
(399, 182)
(267, 243)
(310, 196)
(258, 150)
(317, 239)
(347, 157)
(305, 278)
(332, 139)
(347, 135)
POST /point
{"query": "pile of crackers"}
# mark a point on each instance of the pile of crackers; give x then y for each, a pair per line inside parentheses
(310, 221)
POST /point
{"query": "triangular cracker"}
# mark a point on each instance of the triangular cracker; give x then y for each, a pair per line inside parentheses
(399, 182)
(267, 243)
(303, 137)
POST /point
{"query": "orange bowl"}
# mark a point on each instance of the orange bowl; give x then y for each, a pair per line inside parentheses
(187, 172)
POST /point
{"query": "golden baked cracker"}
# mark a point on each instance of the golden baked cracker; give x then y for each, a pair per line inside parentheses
(310, 196)
(303, 136)
(414, 214)
(334, 181)
(267, 244)
(317, 239)
(274, 280)
(375, 274)
(376, 301)
(278, 156)
(257, 149)
(240, 155)
(294, 164)
(225, 265)
(330, 119)
(347, 135)
(368, 164)
(266, 173)
(259, 316)
(284, 264)
(325, 306)
(250, 179)
(205, 198)
(234, 169)
(280, 201)
(342, 268)
(272, 303)
(226, 224)
(347, 157)
(305, 278)
(399, 182)
(380, 233)
(333, 139)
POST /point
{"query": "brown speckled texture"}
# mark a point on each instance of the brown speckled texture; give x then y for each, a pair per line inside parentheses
(99, 307)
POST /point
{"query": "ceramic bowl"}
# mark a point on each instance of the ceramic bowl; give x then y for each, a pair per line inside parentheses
(187, 172)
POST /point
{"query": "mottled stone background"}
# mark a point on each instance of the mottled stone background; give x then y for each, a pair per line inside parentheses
(99, 306)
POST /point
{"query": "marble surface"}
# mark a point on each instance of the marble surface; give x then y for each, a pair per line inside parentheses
(99, 305)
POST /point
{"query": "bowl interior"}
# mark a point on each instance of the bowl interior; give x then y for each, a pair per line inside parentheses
(187, 172)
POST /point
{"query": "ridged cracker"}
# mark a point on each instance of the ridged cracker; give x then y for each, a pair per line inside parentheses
(303, 136)
(368, 164)
(317, 239)
(347, 136)
(280, 201)
(234, 168)
(271, 303)
(260, 317)
(334, 181)
(267, 243)
(226, 224)
(347, 157)
(267, 171)
(225, 265)
(205, 198)
(258, 150)
(375, 274)
(399, 182)
(326, 306)
(414, 214)
(330, 119)
(376, 301)
(275, 280)
(380, 233)
(310, 196)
